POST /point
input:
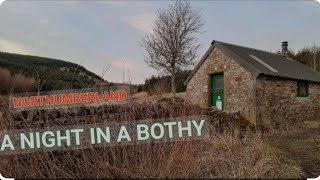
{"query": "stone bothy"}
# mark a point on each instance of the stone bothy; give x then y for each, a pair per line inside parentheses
(266, 88)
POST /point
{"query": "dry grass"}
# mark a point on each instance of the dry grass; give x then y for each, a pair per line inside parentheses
(21, 83)
(250, 157)
(223, 155)
(16, 82)
(144, 97)
(159, 160)
(5, 78)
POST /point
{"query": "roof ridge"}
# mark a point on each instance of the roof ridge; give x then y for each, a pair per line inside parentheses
(250, 48)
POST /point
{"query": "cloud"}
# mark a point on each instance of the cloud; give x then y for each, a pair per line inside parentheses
(128, 63)
(143, 22)
(14, 47)
(1, 1)
(44, 21)
(133, 69)
(70, 3)
(114, 3)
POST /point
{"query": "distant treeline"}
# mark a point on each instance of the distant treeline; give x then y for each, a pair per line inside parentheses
(162, 84)
(309, 56)
(53, 74)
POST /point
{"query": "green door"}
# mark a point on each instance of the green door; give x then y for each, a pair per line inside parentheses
(217, 95)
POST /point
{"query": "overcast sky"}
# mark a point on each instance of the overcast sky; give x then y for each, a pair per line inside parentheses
(95, 34)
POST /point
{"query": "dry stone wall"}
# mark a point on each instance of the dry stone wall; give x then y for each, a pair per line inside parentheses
(92, 115)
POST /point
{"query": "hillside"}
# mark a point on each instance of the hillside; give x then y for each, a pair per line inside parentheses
(60, 74)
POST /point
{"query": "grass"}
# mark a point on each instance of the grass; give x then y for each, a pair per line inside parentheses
(250, 157)
(300, 144)
(294, 144)
(226, 154)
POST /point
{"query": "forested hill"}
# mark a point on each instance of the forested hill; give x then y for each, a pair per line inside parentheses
(60, 74)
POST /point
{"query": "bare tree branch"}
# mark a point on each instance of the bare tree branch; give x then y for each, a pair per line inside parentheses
(172, 45)
(45, 80)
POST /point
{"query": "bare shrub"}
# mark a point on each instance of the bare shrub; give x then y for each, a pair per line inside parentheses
(16, 82)
(5, 79)
(160, 87)
(21, 83)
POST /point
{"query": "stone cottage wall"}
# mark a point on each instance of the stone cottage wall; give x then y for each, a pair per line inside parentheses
(239, 90)
(278, 104)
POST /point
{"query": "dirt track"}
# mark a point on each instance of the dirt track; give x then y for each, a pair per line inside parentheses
(301, 145)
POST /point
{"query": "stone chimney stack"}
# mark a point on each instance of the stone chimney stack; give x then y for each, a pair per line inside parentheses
(285, 48)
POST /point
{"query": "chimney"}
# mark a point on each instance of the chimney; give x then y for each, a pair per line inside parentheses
(285, 48)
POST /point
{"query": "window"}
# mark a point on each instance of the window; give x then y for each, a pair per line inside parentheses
(303, 89)
(219, 84)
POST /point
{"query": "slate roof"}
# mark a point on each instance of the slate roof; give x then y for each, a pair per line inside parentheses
(262, 62)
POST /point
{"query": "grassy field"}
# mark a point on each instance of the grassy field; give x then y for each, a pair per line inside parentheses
(230, 153)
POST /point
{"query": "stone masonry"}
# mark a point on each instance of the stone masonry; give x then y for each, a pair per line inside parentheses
(239, 93)
(265, 100)
(278, 104)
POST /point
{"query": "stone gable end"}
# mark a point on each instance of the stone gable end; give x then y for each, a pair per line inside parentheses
(239, 85)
